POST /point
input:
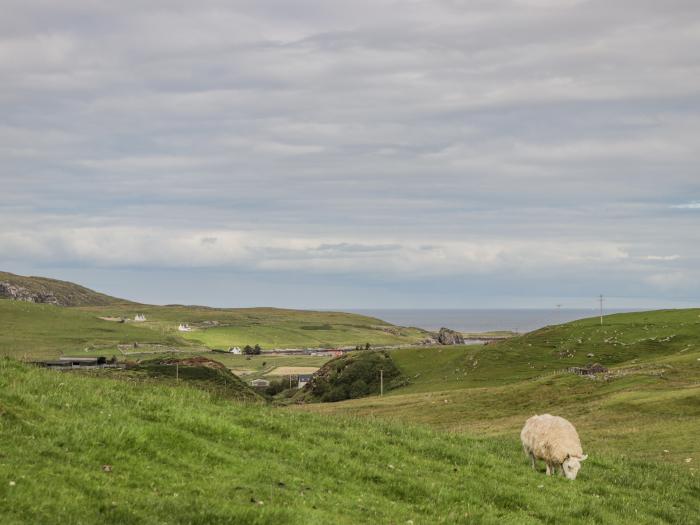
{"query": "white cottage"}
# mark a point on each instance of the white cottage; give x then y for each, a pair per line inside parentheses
(184, 327)
(139, 318)
(235, 350)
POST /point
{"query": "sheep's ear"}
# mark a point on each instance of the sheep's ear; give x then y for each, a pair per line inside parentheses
(567, 457)
(584, 457)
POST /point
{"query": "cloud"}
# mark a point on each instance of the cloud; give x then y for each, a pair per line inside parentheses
(464, 139)
(687, 206)
(258, 250)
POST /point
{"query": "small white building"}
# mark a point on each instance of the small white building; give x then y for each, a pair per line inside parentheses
(235, 350)
(139, 318)
(260, 383)
(184, 327)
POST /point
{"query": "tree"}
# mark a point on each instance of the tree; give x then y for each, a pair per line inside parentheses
(257, 350)
(248, 350)
(367, 346)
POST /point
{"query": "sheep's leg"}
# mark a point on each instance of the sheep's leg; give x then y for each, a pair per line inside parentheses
(533, 461)
(549, 469)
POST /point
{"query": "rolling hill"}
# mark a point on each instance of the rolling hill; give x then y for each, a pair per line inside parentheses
(51, 291)
(646, 406)
(88, 450)
(88, 321)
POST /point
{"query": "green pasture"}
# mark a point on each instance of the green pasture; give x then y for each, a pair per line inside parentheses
(86, 450)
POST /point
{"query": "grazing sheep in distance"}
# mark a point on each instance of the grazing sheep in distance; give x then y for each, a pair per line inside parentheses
(555, 441)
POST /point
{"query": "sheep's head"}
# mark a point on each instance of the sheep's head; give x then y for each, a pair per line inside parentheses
(572, 464)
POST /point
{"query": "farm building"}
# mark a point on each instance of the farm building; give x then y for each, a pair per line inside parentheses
(303, 379)
(260, 383)
(184, 327)
(588, 370)
(64, 362)
(139, 318)
(235, 350)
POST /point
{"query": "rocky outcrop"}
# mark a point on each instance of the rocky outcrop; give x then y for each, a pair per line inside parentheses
(450, 337)
(51, 291)
(19, 293)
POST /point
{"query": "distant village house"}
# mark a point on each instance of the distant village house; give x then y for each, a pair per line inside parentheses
(260, 383)
(139, 318)
(184, 327)
(235, 350)
(304, 380)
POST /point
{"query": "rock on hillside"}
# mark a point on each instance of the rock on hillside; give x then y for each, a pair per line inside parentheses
(51, 291)
(19, 293)
(450, 337)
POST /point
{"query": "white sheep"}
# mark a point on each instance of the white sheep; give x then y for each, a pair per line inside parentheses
(554, 440)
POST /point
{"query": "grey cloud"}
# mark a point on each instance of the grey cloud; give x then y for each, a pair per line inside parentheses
(368, 129)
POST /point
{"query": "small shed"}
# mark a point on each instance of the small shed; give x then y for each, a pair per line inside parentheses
(139, 318)
(260, 383)
(235, 350)
(184, 327)
(588, 370)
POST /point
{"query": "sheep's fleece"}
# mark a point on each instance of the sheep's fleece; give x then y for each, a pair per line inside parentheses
(554, 440)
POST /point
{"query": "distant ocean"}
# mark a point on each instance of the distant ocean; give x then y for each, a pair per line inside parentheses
(521, 320)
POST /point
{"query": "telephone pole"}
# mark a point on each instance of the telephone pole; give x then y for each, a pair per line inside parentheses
(381, 382)
(601, 309)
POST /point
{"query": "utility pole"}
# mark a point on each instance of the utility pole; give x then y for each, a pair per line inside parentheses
(177, 371)
(381, 382)
(601, 309)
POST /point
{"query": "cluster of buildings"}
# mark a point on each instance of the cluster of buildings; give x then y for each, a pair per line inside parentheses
(303, 380)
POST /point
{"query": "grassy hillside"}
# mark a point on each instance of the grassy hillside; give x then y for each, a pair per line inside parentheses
(647, 406)
(45, 290)
(85, 450)
(641, 337)
(268, 327)
(217, 327)
(199, 372)
(353, 375)
(44, 331)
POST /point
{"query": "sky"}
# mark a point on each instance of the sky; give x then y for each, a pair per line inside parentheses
(365, 154)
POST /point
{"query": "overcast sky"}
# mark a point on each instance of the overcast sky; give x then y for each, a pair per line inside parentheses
(318, 153)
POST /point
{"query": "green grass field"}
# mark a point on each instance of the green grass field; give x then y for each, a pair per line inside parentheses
(45, 331)
(80, 449)
(648, 407)
(268, 327)
(443, 449)
(211, 327)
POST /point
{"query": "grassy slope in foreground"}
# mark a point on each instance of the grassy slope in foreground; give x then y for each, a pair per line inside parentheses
(179, 455)
(648, 407)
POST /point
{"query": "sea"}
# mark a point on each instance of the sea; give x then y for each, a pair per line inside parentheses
(473, 320)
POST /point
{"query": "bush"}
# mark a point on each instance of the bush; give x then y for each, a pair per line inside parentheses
(280, 386)
(354, 375)
(252, 350)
